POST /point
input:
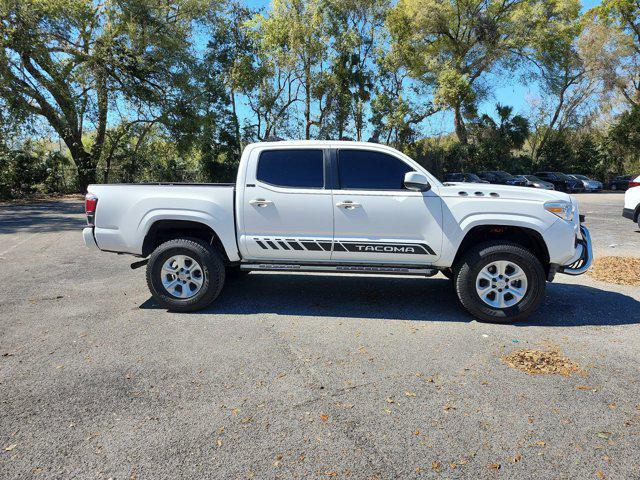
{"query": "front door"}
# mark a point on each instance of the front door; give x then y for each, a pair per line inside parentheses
(377, 220)
(287, 211)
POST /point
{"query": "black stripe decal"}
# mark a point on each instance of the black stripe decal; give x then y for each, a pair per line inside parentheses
(294, 244)
(272, 245)
(311, 246)
(264, 247)
(283, 245)
(338, 247)
(326, 246)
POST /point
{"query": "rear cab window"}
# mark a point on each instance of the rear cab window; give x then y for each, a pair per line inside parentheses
(370, 170)
(291, 168)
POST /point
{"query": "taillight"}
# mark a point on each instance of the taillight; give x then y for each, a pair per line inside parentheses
(90, 204)
(633, 183)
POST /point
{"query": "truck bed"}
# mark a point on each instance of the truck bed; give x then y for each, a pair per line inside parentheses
(126, 212)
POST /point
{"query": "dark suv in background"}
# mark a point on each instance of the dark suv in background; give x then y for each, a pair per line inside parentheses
(561, 182)
(501, 178)
(463, 177)
(623, 182)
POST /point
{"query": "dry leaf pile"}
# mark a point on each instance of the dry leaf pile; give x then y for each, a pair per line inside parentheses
(534, 361)
(618, 270)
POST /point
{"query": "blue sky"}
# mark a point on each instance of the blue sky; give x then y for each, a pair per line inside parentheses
(506, 90)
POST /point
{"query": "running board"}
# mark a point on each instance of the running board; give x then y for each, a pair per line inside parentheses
(389, 270)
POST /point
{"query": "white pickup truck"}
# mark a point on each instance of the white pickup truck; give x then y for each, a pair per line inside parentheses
(346, 207)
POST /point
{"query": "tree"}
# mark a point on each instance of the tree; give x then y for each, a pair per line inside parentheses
(495, 141)
(558, 67)
(76, 62)
(450, 45)
(615, 47)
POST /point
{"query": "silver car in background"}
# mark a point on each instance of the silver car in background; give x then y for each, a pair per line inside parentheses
(590, 185)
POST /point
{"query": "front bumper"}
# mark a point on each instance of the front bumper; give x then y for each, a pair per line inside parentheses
(629, 213)
(89, 239)
(585, 255)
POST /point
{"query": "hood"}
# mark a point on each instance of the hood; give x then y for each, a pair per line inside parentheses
(502, 191)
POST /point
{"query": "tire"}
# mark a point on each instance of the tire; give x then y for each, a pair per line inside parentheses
(211, 274)
(467, 282)
(614, 187)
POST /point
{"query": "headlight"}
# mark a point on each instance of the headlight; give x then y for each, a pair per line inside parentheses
(560, 208)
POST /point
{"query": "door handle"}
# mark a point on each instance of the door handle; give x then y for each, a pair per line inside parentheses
(260, 202)
(347, 205)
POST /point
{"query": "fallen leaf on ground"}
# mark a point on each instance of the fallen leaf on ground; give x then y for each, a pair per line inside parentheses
(533, 362)
(618, 270)
(324, 417)
(586, 387)
(436, 465)
(10, 447)
(600, 474)
(409, 393)
(494, 466)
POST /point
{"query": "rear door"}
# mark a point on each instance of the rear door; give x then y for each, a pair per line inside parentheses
(377, 220)
(287, 211)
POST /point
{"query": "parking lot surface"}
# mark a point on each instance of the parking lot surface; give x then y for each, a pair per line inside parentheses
(307, 376)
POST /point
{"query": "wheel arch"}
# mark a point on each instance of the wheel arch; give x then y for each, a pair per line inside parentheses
(161, 231)
(527, 237)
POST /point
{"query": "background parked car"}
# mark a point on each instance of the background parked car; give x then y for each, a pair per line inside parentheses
(561, 181)
(500, 177)
(463, 177)
(624, 182)
(535, 182)
(589, 184)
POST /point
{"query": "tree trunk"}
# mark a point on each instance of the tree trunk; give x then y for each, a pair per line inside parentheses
(458, 121)
(307, 105)
(86, 169)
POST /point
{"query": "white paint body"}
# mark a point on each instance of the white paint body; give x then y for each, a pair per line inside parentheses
(632, 201)
(386, 227)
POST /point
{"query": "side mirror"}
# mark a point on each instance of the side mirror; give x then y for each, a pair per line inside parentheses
(416, 181)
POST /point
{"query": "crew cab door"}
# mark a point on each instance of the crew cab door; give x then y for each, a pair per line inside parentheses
(286, 211)
(378, 220)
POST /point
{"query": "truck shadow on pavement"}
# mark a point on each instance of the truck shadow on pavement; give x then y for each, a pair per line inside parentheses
(42, 217)
(402, 298)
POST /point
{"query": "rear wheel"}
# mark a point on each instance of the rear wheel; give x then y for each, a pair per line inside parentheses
(185, 274)
(499, 282)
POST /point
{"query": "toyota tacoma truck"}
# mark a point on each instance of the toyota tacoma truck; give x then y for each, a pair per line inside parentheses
(342, 207)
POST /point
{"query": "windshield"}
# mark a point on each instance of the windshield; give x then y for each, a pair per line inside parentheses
(581, 177)
(473, 177)
(561, 176)
(532, 178)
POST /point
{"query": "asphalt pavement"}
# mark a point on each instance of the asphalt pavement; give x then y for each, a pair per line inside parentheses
(304, 376)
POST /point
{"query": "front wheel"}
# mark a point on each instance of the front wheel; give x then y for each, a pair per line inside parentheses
(185, 274)
(500, 282)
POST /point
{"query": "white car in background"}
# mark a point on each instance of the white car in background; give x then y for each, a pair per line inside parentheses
(631, 208)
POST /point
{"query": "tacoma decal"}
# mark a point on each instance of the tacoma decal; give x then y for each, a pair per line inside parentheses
(344, 246)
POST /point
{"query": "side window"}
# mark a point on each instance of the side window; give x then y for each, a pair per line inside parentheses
(368, 170)
(292, 168)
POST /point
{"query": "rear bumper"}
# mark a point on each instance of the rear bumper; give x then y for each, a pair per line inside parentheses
(629, 213)
(585, 255)
(89, 239)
